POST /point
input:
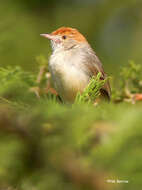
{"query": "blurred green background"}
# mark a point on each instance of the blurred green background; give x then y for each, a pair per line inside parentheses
(112, 27)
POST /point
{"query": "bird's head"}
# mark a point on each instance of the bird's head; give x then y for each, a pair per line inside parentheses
(65, 38)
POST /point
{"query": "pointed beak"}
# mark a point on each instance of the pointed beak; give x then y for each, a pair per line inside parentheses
(49, 36)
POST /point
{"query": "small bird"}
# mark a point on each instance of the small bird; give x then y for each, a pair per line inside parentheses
(73, 63)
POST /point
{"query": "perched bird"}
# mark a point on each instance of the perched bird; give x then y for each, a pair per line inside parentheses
(73, 63)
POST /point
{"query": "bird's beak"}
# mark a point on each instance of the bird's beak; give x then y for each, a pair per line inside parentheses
(49, 36)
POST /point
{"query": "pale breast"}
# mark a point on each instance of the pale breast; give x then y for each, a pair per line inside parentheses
(68, 75)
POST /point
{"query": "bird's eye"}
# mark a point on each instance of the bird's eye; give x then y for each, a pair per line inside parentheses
(64, 37)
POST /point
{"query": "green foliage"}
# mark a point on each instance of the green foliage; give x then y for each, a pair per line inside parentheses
(45, 144)
(52, 146)
(15, 74)
(129, 83)
(132, 77)
(15, 86)
(91, 92)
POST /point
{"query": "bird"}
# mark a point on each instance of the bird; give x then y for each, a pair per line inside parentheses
(73, 63)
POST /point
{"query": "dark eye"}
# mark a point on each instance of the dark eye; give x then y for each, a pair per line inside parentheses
(64, 37)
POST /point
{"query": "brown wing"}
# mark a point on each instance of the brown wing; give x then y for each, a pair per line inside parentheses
(95, 66)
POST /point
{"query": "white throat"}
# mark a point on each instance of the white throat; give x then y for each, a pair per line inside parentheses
(66, 67)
